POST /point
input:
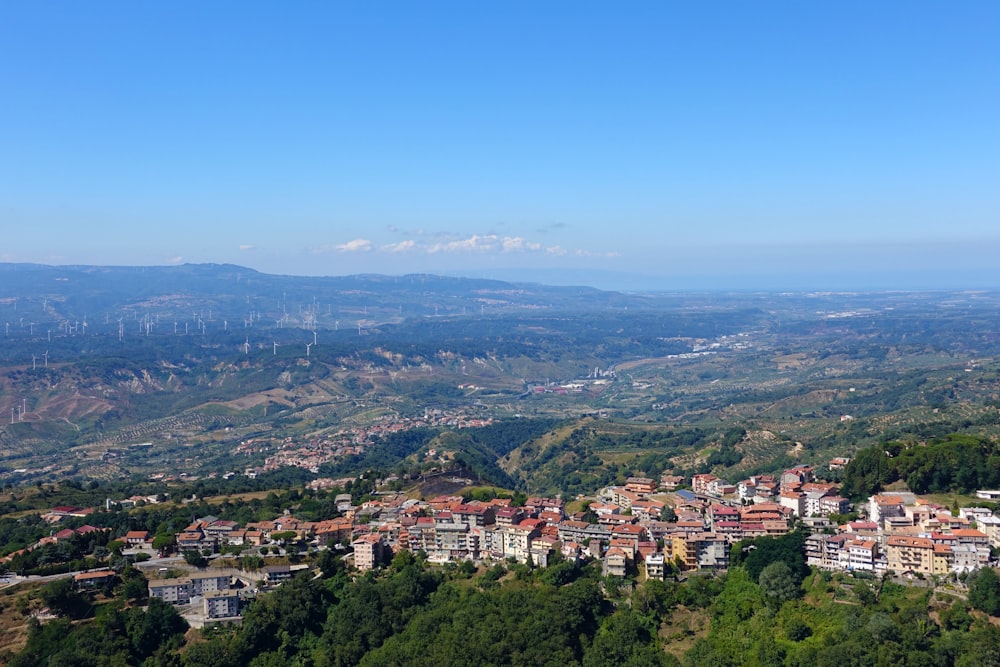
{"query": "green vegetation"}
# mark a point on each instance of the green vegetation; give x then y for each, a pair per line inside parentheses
(958, 463)
(565, 614)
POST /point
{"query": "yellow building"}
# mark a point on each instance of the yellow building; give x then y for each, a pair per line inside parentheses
(910, 554)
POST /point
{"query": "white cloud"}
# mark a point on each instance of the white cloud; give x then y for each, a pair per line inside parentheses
(357, 245)
(402, 246)
(556, 250)
(247, 246)
(579, 252)
(474, 243)
(175, 260)
(518, 244)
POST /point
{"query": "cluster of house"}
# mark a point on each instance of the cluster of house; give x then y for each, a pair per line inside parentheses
(220, 599)
(796, 489)
(906, 534)
(314, 453)
(54, 538)
(222, 595)
(209, 533)
(624, 527)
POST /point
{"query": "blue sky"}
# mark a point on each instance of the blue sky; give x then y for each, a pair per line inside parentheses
(640, 144)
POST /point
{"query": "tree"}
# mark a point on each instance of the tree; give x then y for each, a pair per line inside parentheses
(984, 591)
(164, 542)
(778, 582)
(60, 597)
(157, 625)
(192, 557)
(625, 639)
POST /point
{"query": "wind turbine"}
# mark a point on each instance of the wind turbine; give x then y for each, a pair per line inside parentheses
(308, 345)
(246, 346)
(46, 357)
(32, 362)
(276, 346)
(314, 336)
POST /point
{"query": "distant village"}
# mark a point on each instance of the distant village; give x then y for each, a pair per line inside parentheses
(651, 528)
(348, 442)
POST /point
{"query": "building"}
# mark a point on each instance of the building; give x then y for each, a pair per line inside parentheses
(615, 562)
(222, 604)
(656, 566)
(173, 591)
(881, 507)
(369, 551)
(202, 583)
(93, 579)
(699, 483)
(640, 485)
(910, 554)
(138, 539)
(862, 554)
(276, 574)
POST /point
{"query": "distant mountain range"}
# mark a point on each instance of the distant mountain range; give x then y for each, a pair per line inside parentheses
(46, 292)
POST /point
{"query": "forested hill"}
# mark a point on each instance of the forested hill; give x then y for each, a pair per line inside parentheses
(768, 610)
(956, 463)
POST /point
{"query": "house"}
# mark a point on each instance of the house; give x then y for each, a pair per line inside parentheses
(515, 541)
(862, 554)
(173, 591)
(746, 489)
(882, 506)
(138, 539)
(202, 583)
(535, 505)
(671, 482)
(720, 487)
(797, 475)
(640, 485)
(474, 515)
(699, 483)
(965, 558)
(647, 510)
(655, 566)
(370, 551)
(222, 604)
(190, 539)
(910, 554)
(624, 498)
(943, 559)
(839, 463)
(711, 551)
(794, 501)
(94, 579)
(542, 548)
(833, 505)
(615, 562)
(276, 574)
(509, 516)
(991, 526)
